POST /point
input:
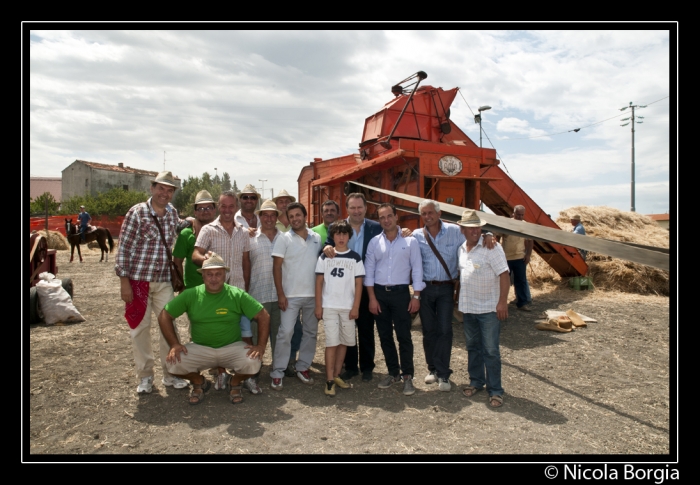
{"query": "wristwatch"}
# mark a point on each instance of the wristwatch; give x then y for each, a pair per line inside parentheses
(416, 297)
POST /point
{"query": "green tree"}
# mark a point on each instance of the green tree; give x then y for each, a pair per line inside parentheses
(115, 202)
(225, 182)
(39, 206)
(235, 187)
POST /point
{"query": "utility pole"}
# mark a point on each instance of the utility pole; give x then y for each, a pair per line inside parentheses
(632, 122)
(163, 160)
(262, 190)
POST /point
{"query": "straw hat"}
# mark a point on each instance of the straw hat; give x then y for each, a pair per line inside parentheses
(283, 193)
(470, 219)
(165, 178)
(204, 197)
(268, 205)
(249, 189)
(576, 217)
(215, 261)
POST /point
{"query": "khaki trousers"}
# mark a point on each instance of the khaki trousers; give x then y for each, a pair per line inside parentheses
(159, 294)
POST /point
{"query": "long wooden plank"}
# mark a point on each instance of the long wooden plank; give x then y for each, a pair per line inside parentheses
(506, 225)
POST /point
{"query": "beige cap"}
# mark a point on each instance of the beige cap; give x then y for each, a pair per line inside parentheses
(575, 217)
(283, 193)
(165, 178)
(249, 189)
(268, 205)
(213, 262)
(204, 197)
(470, 219)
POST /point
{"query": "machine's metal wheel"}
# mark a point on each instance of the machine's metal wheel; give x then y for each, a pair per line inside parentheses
(33, 306)
(67, 285)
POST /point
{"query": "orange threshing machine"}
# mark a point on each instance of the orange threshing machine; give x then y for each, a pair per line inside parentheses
(412, 147)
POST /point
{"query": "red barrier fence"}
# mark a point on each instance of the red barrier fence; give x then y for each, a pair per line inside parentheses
(58, 223)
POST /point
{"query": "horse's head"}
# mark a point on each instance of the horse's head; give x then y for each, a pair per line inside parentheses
(70, 228)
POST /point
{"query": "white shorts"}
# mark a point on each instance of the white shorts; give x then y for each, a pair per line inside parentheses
(339, 328)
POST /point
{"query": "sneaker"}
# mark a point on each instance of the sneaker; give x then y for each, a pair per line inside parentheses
(330, 388)
(341, 383)
(349, 374)
(444, 385)
(431, 378)
(388, 381)
(176, 382)
(276, 383)
(221, 381)
(252, 385)
(408, 388)
(367, 376)
(145, 386)
(305, 376)
(289, 371)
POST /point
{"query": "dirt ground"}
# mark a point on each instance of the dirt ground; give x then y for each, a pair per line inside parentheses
(601, 390)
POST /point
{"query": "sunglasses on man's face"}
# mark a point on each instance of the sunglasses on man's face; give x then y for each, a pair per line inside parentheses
(249, 197)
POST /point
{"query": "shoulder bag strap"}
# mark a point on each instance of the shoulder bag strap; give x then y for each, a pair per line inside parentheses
(162, 237)
(437, 253)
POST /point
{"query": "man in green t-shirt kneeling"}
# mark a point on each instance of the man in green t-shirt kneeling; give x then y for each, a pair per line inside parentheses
(214, 310)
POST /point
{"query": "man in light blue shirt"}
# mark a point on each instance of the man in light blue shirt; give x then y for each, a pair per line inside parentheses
(392, 261)
(578, 229)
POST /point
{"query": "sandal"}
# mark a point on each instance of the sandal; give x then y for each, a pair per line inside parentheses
(196, 394)
(469, 391)
(496, 401)
(235, 395)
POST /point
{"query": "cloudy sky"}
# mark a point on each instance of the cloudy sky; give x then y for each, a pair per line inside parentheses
(260, 105)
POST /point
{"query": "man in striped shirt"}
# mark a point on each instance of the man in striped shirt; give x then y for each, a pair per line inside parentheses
(144, 273)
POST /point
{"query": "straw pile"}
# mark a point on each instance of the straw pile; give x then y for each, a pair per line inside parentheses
(606, 272)
(55, 239)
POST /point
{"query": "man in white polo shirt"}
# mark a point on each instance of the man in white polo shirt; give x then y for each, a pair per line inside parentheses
(294, 262)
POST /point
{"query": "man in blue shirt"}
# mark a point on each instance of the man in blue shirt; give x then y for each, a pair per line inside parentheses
(84, 219)
(392, 261)
(578, 229)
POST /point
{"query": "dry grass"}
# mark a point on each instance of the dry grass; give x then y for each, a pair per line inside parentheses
(55, 239)
(611, 273)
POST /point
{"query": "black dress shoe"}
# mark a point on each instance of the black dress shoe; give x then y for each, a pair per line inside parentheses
(348, 374)
(367, 376)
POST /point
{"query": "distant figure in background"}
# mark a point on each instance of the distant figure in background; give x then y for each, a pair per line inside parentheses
(518, 251)
(85, 219)
(578, 229)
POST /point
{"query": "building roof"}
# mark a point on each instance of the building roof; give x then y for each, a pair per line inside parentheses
(39, 185)
(120, 168)
(659, 217)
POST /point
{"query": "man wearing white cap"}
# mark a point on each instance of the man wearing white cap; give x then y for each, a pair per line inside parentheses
(144, 274)
(282, 201)
(247, 216)
(204, 212)
(214, 310)
(483, 299)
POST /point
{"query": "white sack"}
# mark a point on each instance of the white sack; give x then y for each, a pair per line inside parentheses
(55, 304)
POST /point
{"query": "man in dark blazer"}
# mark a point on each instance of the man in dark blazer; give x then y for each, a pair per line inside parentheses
(363, 231)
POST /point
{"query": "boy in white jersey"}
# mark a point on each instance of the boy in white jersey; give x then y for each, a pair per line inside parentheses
(338, 294)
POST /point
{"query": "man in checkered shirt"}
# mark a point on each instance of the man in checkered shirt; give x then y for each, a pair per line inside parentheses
(144, 273)
(483, 299)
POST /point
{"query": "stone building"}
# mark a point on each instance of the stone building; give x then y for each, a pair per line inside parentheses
(82, 178)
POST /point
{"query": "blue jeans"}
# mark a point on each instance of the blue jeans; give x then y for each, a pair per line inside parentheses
(482, 332)
(517, 268)
(436, 319)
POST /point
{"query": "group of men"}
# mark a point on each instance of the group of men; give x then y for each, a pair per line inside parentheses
(250, 274)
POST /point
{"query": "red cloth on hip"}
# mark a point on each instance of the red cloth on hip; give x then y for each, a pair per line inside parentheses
(135, 311)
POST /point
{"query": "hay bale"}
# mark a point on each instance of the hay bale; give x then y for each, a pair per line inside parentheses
(606, 272)
(55, 239)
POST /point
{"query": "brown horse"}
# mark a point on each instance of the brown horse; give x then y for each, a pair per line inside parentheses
(100, 234)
